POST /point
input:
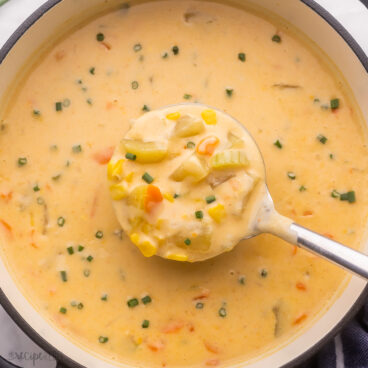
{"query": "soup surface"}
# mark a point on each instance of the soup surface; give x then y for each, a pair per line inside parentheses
(61, 238)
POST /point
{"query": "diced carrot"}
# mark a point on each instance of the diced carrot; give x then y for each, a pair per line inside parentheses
(6, 226)
(308, 213)
(59, 55)
(328, 235)
(191, 327)
(211, 348)
(156, 345)
(203, 295)
(103, 156)
(301, 286)
(34, 245)
(300, 319)
(212, 362)
(106, 45)
(173, 327)
(295, 250)
(153, 197)
(207, 145)
(6, 197)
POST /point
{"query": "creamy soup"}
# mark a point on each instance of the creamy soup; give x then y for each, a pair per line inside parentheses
(62, 240)
(186, 182)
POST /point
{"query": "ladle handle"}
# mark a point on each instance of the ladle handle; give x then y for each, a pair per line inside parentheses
(331, 250)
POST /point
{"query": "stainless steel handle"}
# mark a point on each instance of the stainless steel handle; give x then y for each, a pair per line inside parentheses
(335, 252)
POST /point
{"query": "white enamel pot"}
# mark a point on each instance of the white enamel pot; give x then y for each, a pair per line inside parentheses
(311, 19)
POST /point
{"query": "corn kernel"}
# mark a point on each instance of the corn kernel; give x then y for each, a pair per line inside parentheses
(138, 340)
(147, 248)
(169, 197)
(217, 212)
(177, 257)
(134, 238)
(129, 177)
(118, 191)
(173, 116)
(115, 170)
(147, 228)
(209, 117)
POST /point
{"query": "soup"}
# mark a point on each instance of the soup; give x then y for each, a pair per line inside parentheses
(60, 235)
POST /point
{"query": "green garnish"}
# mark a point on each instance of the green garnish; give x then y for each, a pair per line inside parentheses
(147, 178)
(70, 250)
(80, 306)
(135, 85)
(222, 312)
(99, 234)
(61, 221)
(199, 305)
(176, 195)
(241, 56)
(276, 38)
(145, 323)
(58, 106)
(130, 156)
(187, 96)
(22, 161)
(332, 156)
(40, 201)
(175, 50)
(316, 100)
(54, 147)
(348, 196)
(56, 177)
(187, 241)
(86, 272)
(146, 299)
(278, 144)
(66, 102)
(132, 302)
(92, 70)
(302, 188)
(64, 276)
(63, 310)
(199, 214)
(291, 175)
(229, 92)
(210, 199)
(104, 297)
(335, 194)
(36, 188)
(103, 339)
(241, 280)
(165, 55)
(322, 138)
(89, 101)
(137, 47)
(264, 273)
(190, 144)
(145, 108)
(100, 37)
(77, 148)
(334, 103)
(80, 248)
(89, 258)
(36, 113)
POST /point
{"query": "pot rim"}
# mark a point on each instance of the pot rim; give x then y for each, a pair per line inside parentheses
(62, 357)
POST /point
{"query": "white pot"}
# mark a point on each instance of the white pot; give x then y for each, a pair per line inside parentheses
(311, 19)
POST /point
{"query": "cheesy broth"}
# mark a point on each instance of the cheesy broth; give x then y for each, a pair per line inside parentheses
(60, 235)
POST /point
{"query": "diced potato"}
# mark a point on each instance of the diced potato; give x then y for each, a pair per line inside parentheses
(235, 141)
(193, 168)
(146, 152)
(217, 177)
(177, 257)
(115, 170)
(137, 196)
(230, 159)
(200, 243)
(217, 212)
(187, 126)
(144, 244)
(118, 191)
(209, 116)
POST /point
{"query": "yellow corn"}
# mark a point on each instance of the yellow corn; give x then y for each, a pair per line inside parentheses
(217, 212)
(169, 197)
(177, 257)
(138, 340)
(173, 115)
(115, 170)
(209, 117)
(129, 177)
(118, 191)
(134, 238)
(138, 196)
(147, 228)
(147, 248)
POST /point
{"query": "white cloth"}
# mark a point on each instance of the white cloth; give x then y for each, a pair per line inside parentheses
(14, 345)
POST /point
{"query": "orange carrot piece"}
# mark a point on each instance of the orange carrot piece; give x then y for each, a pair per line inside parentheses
(212, 362)
(106, 45)
(300, 319)
(308, 213)
(203, 295)
(173, 327)
(6, 226)
(156, 345)
(211, 348)
(328, 235)
(103, 156)
(6, 197)
(301, 286)
(295, 250)
(153, 197)
(207, 145)
(34, 245)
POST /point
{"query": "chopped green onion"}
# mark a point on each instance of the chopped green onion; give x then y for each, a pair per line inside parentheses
(145, 323)
(316, 100)
(86, 272)
(104, 297)
(175, 50)
(147, 178)
(241, 280)
(103, 339)
(99, 234)
(61, 221)
(199, 305)
(176, 195)
(165, 55)
(77, 148)
(70, 250)
(80, 248)
(264, 273)
(92, 70)
(135, 85)
(36, 113)
(322, 138)
(80, 306)
(63, 310)
(348, 196)
(229, 92)
(22, 161)
(190, 144)
(278, 144)
(199, 214)
(187, 96)
(334, 103)
(89, 258)
(241, 56)
(187, 241)
(36, 188)
(222, 312)
(145, 108)
(335, 194)
(332, 156)
(54, 147)
(291, 175)
(146, 299)
(56, 177)
(132, 302)
(89, 101)
(58, 106)
(302, 188)
(210, 199)
(276, 38)
(130, 156)
(64, 276)
(100, 37)
(137, 47)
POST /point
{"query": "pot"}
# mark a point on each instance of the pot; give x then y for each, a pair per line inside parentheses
(311, 19)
